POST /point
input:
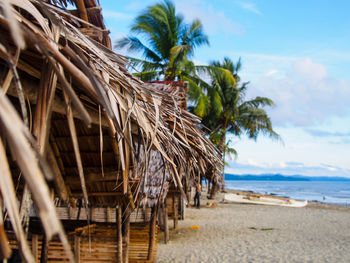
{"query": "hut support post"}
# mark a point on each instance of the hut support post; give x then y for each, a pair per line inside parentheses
(182, 207)
(35, 246)
(119, 233)
(44, 250)
(166, 227)
(152, 233)
(108, 215)
(77, 248)
(126, 234)
(161, 217)
(188, 193)
(175, 210)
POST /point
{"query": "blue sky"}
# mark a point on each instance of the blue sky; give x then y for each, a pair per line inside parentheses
(294, 52)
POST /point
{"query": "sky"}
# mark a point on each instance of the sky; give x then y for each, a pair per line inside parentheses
(295, 52)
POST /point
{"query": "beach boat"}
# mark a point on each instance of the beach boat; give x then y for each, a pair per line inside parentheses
(247, 198)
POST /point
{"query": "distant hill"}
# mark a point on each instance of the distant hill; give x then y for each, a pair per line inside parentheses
(280, 177)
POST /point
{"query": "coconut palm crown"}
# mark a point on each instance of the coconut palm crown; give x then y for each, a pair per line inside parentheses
(227, 110)
(170, 42)
(230, 112)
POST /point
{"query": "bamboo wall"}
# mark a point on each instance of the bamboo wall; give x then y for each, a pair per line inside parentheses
(102, 246)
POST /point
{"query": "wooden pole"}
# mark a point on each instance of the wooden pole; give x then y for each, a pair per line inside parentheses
(175, 210)
(108, 215)
(152, 233)
(182, 209)
(188, 192)
(166, 226)
(35, 246)
(119, 233)
(126, 234)
(44, 250)
(82, 11)
(161, 217)
(77, 248)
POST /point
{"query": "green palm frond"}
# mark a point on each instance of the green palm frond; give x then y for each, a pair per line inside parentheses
(215, 101)
(202, 106)
(231, 151)
(144, 64)
(254, 121)
(184, 75)
(228, 108)
(177, 54)
(258, 102)
(133, 44)
(193, 36)
(195, 92)
(167, 41)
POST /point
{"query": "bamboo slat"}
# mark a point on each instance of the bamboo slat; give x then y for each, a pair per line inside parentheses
(102, 215)
(103, 248)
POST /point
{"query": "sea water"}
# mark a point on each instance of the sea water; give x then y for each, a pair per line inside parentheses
(333, 192)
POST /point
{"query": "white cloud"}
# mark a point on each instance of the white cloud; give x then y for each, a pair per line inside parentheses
(305, 95)
(256, 164)
(249, 7)
(271, 72)
(256, 64)
(214, 21)
(283, 164)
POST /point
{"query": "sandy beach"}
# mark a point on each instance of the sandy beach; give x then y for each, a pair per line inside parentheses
(256, 233)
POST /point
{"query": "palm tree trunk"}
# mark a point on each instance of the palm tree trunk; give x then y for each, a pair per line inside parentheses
(222, 149)
(223, 173)
(215, 184)
(213, 190)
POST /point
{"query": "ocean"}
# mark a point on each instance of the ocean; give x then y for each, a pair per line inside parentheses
(332, 192)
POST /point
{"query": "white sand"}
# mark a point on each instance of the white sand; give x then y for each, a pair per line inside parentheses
(255, 233)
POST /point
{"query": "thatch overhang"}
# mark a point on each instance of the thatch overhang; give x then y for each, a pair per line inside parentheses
(87, 126)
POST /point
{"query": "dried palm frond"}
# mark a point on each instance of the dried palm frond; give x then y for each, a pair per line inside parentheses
(144, 122)
(9, 196)
(20, 142)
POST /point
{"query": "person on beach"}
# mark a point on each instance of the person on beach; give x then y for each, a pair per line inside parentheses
(197, 196)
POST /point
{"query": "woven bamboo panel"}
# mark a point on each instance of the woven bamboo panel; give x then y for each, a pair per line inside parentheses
(56, 252)
(102, 214)
(101, 246)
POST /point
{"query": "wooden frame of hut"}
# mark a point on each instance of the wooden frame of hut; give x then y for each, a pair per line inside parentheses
(77, 136)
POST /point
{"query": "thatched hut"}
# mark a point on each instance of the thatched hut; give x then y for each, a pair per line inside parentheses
(87, 151)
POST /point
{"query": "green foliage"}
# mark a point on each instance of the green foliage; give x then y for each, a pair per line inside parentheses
(168, 46)
(228, 111)
(170, 43)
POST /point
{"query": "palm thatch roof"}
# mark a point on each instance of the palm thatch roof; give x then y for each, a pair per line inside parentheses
(63, 65)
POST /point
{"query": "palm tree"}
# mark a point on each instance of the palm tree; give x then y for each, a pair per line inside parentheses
(170, 43)
(229, 112)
